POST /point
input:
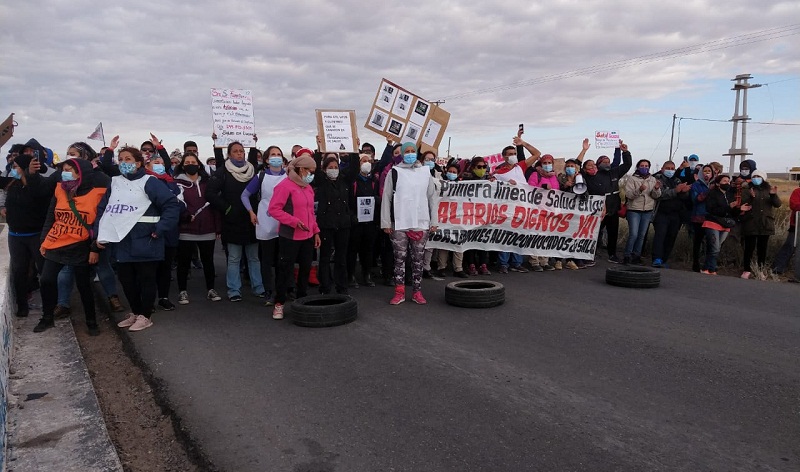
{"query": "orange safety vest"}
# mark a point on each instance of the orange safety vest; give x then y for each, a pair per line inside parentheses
(67, 229)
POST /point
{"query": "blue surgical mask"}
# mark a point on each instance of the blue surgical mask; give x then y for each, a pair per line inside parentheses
(127, 167)
(67, 176)
(451, 176)
(309, 178)
(547, 167)
(757, 181)
(669, 174)
(14, 174)
(570, 171)
(276, 161)
(410, 157)
(159, 168)
(430, 164)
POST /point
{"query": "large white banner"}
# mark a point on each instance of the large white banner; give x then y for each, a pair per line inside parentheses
(232, 112)
(497, 216)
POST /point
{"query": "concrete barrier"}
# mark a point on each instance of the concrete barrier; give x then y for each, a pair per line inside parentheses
(7, 308)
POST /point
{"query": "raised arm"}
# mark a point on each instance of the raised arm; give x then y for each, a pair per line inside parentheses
(535, 153)
(584, 148)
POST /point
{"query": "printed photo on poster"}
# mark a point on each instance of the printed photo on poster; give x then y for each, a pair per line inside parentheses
(431, 133)
(413, 131)
(420, 110)
(402, 105)
(386, 96)
(378, 119)
(396, 127)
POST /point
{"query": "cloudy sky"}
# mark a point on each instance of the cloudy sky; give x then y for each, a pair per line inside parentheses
(142, 66)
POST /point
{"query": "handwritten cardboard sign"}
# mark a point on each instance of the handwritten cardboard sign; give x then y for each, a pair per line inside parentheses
(232, 112)
(606, 139)
(7, 129)
(337, 130)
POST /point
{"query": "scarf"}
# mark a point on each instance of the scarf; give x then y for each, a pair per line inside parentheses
(165, 177)
(243, 173)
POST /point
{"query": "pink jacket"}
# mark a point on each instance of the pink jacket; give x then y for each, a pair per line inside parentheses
(536, 180)
(292, 204)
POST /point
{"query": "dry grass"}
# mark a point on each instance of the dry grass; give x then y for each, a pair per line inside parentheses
(731, 254)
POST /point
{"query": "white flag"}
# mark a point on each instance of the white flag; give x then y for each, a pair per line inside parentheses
(98, 133)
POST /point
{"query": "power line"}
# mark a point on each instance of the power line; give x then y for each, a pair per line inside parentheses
(719, 44)
(728, 121)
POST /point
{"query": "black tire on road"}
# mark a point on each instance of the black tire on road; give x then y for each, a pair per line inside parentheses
(633, 277)
(475, 293)
(322, 311)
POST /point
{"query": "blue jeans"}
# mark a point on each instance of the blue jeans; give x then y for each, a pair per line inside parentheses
(503, 259)
(66, 279)
(714, 240)
(233, 277)
(638, 222)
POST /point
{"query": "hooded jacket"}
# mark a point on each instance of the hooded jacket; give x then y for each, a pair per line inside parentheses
(65, 237)
(760, 219)
(206, 219)
(698, 196)
(670, 202)
(27, 204)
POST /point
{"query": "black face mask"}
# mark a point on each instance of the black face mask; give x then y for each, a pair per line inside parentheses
(604, 167)
(191, 169)
(724, 187)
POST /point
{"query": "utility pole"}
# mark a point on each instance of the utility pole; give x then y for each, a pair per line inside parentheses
(448, 147)
(740, 87)
(672, 138)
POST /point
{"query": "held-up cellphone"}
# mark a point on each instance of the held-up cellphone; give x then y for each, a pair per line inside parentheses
(36, 154)
(685, 158)
(521, 128)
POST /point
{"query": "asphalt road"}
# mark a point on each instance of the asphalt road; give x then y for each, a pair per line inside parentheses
(702, 373)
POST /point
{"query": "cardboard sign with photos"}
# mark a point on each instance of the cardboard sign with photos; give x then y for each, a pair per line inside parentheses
(404, 116)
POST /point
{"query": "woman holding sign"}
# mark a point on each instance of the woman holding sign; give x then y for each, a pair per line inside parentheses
(407, 211)
(140, 212)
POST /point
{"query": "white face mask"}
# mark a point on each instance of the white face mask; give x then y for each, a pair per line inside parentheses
(366, 168)
(332, 174)
(512, 159)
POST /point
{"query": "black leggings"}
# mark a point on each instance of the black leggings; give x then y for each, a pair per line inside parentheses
(269, 261)
(611, 224)
(138, 281)
(291, 251)
(186, 251)
(49, 288)
(22, 250)
(164, 271)
(756, 244)
(362, 241)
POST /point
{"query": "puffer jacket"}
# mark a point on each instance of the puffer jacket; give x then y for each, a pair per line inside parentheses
(641, 200)
(760, 219)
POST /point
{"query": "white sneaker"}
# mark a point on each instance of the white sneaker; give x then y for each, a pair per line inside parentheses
(277, 312)
(183, 298)
(142, 322)
(128, 321)
(213, 295)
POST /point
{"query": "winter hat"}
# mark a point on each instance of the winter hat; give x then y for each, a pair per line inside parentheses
(694, 157)
(751, 164)
(303, 151)
(759, 173)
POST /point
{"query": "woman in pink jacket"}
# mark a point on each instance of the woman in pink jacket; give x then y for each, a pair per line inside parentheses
(292, 204)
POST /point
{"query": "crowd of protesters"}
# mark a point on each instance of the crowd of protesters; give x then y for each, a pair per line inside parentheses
(337, 221)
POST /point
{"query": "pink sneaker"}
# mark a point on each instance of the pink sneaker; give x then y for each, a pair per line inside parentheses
(745, 275)
(277, 312)
(485, 270)
(419, 299)
(142, 322)
(399, 295)
(128, 321)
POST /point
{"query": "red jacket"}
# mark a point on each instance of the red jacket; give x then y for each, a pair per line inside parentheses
(794, 205)
(193, 195)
